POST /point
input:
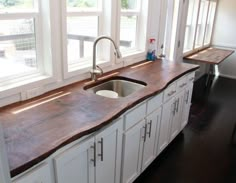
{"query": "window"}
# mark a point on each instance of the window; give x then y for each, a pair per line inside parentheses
(133, 23)
(199, 25)
(83, 22)
(123, 20)
(210, 21)
(191, 25)
(18, 38)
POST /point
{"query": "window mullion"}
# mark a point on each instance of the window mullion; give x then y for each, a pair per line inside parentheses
(14, 16)
(83, 13)
(196, 25)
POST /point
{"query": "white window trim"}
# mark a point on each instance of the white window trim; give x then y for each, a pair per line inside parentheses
(40, 72)
(83, 67)
(196, 49)
(142, 14)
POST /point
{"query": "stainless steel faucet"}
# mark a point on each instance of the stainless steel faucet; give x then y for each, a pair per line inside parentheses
(96, 70)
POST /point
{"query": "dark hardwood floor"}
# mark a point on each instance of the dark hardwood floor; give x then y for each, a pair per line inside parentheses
(203, 152)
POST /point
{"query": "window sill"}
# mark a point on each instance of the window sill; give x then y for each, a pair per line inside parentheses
(80, 69)
(22, 81)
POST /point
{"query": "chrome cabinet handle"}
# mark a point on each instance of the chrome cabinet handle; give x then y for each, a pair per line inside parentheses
(94, 154)
(101, 154)
(145, 133)
(187, 97)
(191, 79)
(171, 93)
(150, 129)
(177, 105)
(184, 84)
(174, 106)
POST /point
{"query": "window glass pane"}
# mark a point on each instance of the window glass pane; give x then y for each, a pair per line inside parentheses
(201, 23)
(129, 4)
(191, 25)
(82, 4)
(128, 27)
(17, 47)
(82, 32)
(17, 5)
(210, 22)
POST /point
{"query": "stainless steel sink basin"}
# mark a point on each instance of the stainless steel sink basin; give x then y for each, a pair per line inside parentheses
(122, 86)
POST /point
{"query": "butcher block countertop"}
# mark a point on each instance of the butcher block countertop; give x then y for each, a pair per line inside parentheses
(37, 128)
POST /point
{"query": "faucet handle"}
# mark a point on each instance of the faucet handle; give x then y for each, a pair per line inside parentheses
(100, 69)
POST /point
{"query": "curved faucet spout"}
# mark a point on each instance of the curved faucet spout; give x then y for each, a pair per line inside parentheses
(95, 70)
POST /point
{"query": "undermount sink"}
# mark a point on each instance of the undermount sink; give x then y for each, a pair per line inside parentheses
(122, 86)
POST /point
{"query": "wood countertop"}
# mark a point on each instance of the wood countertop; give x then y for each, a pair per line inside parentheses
(36, 128)
(210, 55)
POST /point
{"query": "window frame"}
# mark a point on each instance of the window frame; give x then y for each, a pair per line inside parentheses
(142, 14)
(27, 14)
(83, 66)
(203, 45)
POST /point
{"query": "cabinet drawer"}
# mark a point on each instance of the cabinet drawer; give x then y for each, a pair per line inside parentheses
(181, 83)
(154, 103)
(134, 116)
(190, 77)
(169, 91)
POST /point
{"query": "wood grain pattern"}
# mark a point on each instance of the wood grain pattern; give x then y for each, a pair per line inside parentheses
(210, 55)
(36, 128)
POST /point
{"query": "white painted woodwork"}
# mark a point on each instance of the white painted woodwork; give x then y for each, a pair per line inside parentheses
(186, 105)
(135, 115)
(149, 150)
(41, 174)
(177, 115)
(108, 169)
(154, 103)
(132, 152)
(167, 115)
(75, 165)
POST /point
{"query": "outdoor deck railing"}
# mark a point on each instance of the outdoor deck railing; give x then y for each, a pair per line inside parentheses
(80, 38)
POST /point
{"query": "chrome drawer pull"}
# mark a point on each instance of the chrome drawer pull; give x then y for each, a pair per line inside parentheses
(94, 154)
(150, 129)
(101, 155)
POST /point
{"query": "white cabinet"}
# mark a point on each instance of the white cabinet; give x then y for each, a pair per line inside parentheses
(38, 175)
(132, 152)
(152, 131)
(96, 159)
(177, 108)
(168, 108)
(109, 144)
(139, 148)
(76, 164)
(187, 103)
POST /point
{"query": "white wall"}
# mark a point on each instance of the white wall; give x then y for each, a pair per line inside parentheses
(224, 35)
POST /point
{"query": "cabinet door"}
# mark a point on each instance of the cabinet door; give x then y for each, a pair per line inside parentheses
(177, 115)
(38, 175)
(166, 118)
(149, 151)
(186, 105)
(132, 152)
(109, 144)
(76, 164)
